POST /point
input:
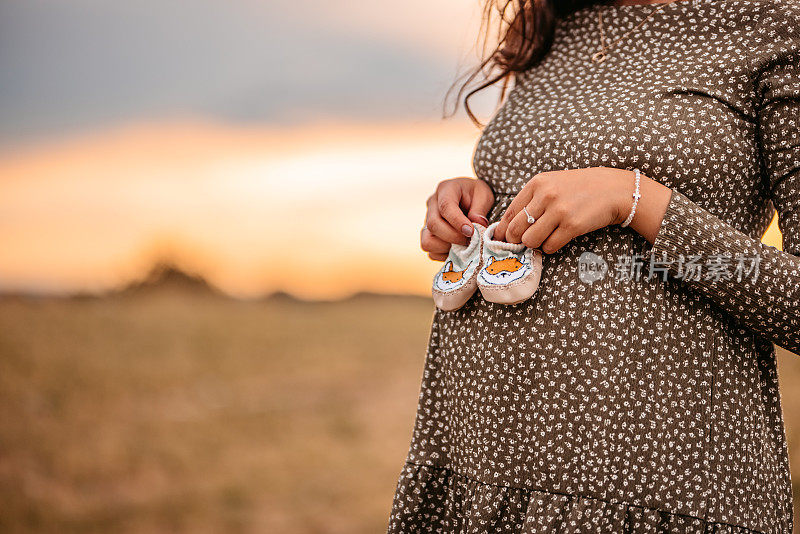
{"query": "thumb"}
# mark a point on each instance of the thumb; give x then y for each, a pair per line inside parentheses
(482, 201)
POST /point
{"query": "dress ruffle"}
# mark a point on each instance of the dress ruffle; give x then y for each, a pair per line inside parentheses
(433, 499)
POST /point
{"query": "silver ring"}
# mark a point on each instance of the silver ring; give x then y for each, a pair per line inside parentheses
(531, 219)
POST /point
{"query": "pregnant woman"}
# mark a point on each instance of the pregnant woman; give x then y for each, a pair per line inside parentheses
(643, 398)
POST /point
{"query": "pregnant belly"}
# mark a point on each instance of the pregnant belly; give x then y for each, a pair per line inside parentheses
(571, 389)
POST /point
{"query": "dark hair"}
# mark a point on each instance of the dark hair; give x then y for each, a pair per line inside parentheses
(523, 31)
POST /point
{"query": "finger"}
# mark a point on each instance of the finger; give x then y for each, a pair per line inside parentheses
(536, 233)
(448, 204)
(442, 229)
(560, 237)
(437, 257)
(482, 202)
(431, 243)
(521, 200)
(519, 224)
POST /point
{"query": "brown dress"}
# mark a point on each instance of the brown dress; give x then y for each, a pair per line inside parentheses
(631, 404)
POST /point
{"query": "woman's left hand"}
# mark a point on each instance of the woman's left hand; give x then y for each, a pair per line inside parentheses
(569, 203)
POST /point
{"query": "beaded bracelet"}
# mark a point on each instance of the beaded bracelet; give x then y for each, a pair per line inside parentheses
(636, 197)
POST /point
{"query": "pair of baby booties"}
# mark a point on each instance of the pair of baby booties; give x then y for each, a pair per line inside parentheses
(505, 273)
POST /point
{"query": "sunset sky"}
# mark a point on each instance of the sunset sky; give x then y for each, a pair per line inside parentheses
(271, 145)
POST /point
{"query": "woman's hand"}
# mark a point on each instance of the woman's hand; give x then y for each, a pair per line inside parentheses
(452, 209)
(569, 203)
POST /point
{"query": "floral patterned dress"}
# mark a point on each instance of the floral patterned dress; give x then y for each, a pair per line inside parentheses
(644, 400)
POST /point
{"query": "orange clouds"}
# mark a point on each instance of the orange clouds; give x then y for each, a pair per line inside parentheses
(343, 201)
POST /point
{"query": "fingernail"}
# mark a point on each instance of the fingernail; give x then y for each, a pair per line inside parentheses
(484, 220)
(467, 230)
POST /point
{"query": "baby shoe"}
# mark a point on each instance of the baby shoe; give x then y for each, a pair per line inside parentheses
(456, 282)
(509, 273)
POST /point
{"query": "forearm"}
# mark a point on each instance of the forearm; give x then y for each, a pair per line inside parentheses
(755, 284)
(767, 301)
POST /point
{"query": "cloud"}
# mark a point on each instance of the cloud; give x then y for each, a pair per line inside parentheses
(347, 200)
(78, 65)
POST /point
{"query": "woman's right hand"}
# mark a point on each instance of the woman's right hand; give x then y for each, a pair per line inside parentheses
(452, 209)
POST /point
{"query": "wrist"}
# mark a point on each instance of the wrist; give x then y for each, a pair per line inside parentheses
(623, 196)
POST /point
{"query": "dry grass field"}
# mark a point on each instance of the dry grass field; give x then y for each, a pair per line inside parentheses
(174, 410)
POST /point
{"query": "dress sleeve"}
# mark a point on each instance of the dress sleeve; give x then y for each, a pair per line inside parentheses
(756, 284)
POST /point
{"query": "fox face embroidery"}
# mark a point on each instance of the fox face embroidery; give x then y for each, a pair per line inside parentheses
(509, 265)
(449, 279)
(451, 276)
(503, 272)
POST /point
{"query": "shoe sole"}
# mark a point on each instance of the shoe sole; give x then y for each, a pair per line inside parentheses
(453, 300)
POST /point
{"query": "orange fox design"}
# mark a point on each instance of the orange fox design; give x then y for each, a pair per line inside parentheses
(510, 265)
(449, 275)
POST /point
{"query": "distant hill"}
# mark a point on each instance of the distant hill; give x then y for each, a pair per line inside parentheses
(280, 296)
(362, 296)
(167, 275)
(367, 296)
